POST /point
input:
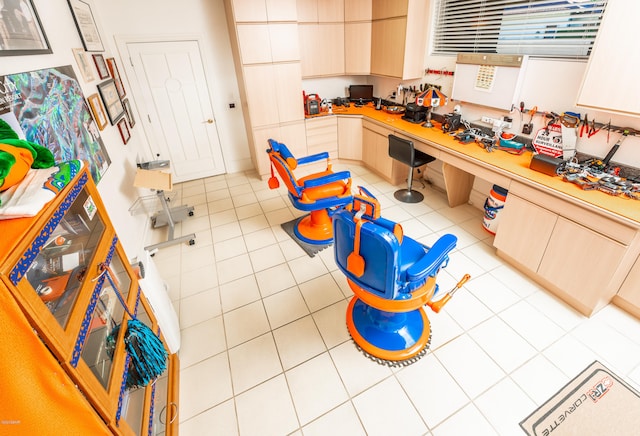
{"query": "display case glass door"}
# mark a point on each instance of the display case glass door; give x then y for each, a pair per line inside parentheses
(58, 271)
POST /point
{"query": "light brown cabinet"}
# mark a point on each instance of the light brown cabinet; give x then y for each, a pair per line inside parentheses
(398, 38)
(573, 252)
(375, 152)
(350, 138)
(322, 49)
(322, 135)
(628, 296)
(52, 265)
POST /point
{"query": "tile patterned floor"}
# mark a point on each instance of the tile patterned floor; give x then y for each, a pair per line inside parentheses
(265, 350)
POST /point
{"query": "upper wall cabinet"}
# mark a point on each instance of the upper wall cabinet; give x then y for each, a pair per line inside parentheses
(357, 10)
(264, 10)
(398, 38)
(321, 11)
(611, 80)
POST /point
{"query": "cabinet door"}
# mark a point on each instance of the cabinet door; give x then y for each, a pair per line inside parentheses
(99, 357)
(255, 43)
(307, 11)
(369, 139)
(357, 49)
(261, 94)
(53, 275)
(524, 231)
(611, 81)
(350, 138)
(322, 49)
(630, 289)
(284, 42)
(357, 10)
(388, 46)
(580, 262)
(387, 8)
(282, 10)
(288, 92)
(249, 10)
(331, 11)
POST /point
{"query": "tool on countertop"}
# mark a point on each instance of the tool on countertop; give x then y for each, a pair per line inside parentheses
(436, 306)
(615, 147)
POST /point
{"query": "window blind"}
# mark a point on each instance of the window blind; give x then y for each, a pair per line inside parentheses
(542, 28)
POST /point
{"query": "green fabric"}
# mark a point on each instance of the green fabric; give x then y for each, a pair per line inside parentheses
(43, 157)
(6, 163)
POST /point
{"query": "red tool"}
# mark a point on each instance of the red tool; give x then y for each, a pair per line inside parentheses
(585, 125)
(437, 305)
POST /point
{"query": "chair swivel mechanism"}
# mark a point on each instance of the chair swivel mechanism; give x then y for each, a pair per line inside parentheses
(403, 151)
(392, 277)
(321, 193)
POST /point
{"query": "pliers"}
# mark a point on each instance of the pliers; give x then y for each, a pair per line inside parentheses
(585, 124)
(592, 129)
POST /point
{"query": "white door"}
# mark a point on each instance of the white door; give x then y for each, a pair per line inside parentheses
(179, 117)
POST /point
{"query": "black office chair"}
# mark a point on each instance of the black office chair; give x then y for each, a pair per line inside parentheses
(402, 150)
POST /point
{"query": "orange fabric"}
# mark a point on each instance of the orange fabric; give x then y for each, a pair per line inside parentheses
(20, 168)
(37, 397)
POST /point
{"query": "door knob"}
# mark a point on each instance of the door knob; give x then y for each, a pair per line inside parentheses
(209, 121)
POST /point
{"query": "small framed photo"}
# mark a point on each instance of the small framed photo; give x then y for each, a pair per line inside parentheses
(83, 65)
(103, 72)
(128, 113)
(111, 100)
(98, 110)
(124, 130)
(115, 74)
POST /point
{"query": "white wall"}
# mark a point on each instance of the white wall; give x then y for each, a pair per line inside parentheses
(117, 18)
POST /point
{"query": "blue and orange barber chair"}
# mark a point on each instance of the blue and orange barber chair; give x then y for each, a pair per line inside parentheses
(392, 277)
(321, 193)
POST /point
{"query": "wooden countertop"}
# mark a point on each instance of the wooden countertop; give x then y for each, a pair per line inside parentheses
(515, 167)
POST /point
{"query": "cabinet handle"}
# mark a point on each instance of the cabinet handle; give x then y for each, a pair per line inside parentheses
(96, 278)
(174, 406)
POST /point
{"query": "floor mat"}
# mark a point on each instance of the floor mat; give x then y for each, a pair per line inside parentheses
(596, 402)
(310, 249)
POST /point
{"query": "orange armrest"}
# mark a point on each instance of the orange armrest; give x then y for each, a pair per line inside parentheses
(313, 158)
(430, 263)
(329, 178)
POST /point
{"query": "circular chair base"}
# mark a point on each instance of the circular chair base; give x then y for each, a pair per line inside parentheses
(312, 230)
(406, 196)
(390, 338)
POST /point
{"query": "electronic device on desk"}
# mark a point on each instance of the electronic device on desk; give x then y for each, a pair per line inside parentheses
(415, 113)
(341, 101)
(312, 104)
(362, 93)
(451, 122)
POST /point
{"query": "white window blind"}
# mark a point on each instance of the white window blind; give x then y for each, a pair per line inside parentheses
(532, 27)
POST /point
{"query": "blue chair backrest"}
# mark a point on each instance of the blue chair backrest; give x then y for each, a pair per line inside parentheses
(380, 249)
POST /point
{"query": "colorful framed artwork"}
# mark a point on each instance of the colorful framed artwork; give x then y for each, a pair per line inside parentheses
(113, 69)
(124, 130)
(101, 66)
(111, 100)
(21, 32)
(86, 70)
(128, 113)
(97, 110)
(86, 25)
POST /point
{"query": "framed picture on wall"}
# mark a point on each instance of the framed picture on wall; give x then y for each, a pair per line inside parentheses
(84, 65)
(111, 100)
(97, 110)
(86, 25)
(113, 69)
(21, 32)
(101, 66)
(128, 113)
(124, 130)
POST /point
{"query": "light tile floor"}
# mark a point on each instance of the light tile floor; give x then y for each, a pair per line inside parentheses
(265, 349)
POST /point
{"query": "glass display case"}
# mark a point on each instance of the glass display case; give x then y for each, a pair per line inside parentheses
(53, 265)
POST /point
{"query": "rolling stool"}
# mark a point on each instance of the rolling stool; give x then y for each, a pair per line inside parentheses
(403, 151)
